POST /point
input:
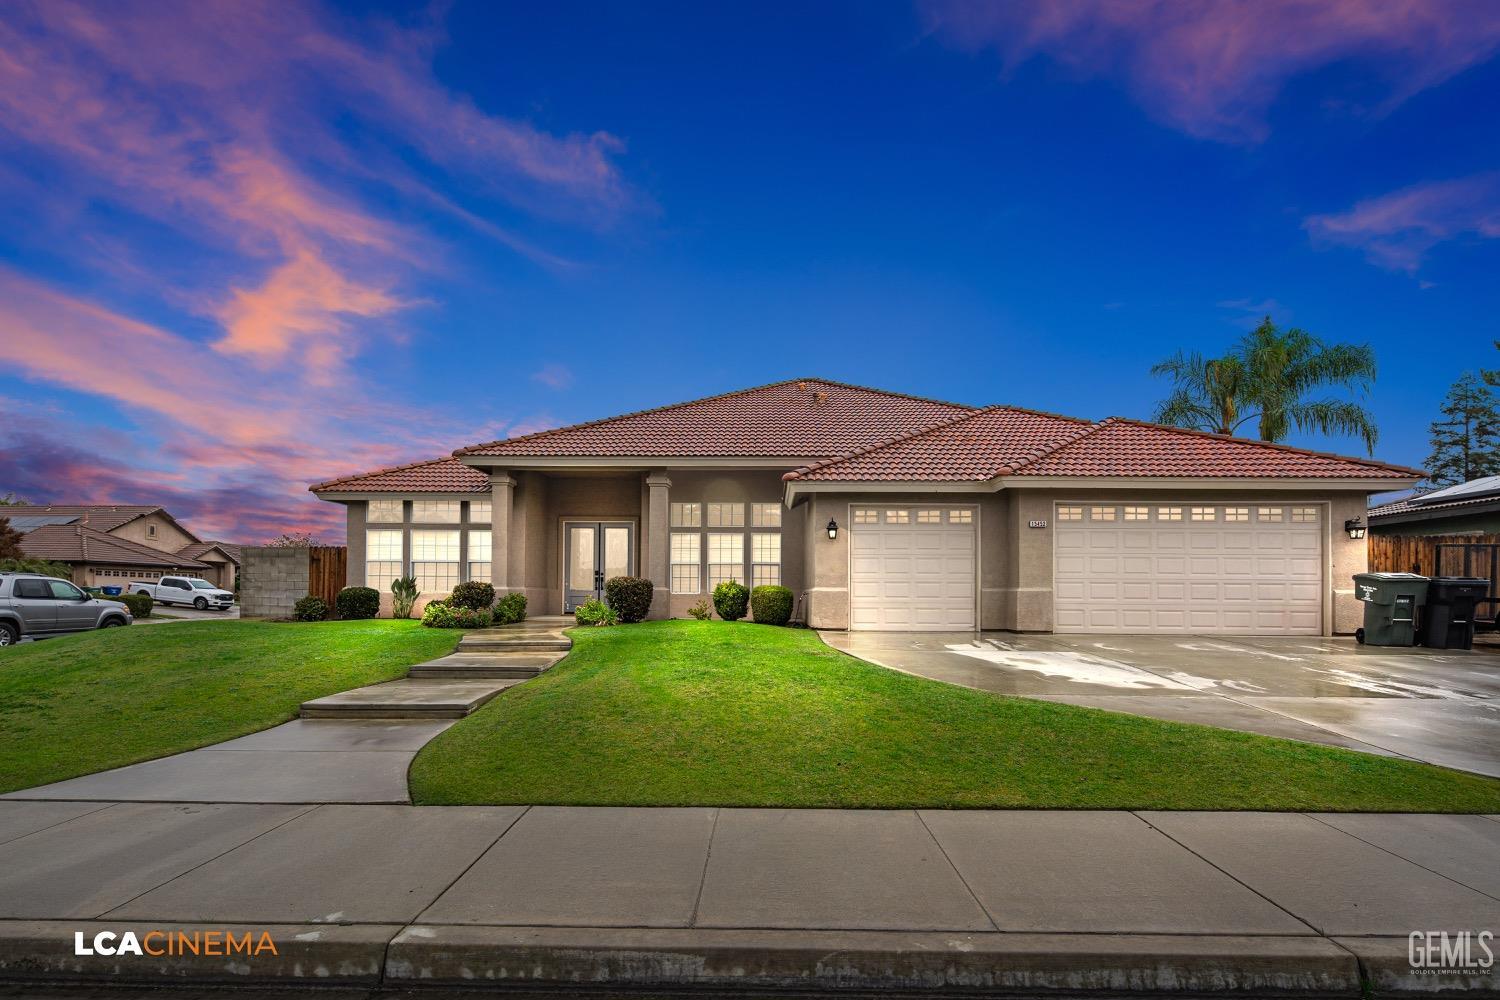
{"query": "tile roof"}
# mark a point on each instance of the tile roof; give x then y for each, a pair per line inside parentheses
(441, 475)
(76, 543)
(105, 517)
(196, 550)
(799, 417)
(1406, 506)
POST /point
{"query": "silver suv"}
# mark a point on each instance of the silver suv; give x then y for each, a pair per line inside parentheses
(44, 606)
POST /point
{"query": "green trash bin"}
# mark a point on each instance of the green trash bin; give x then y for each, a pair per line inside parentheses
(1392, 603)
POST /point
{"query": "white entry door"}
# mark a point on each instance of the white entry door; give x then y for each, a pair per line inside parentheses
(1189, 568)
(912, 568)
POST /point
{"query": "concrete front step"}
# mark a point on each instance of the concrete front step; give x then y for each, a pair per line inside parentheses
(411, 698)
(476, 665)
(517, 642)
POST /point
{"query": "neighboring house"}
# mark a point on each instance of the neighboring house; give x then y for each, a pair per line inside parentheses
(885, 511)
(1471, 508)
(107, 544)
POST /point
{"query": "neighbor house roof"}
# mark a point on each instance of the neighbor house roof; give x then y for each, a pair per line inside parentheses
(442, 475)
(78, 543)
(105, 517)
(199, 549)
(1473, 496)
(1000, 441)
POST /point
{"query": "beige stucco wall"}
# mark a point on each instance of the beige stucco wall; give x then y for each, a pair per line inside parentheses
(169, 537)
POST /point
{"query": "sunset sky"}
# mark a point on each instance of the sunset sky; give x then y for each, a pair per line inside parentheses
(246, 246)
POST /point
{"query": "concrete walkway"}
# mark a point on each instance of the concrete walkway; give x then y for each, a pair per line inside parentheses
(1096, 902)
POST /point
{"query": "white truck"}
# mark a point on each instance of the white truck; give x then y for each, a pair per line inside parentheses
(184, 590)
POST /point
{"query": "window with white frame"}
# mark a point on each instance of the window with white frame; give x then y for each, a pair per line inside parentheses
(687, 515)
(897, 516)
(479, 511)
(865, 515)
(726, 557)
(1305, 515)
(382, 557)
(1204, 514)
(726, 515)
(765, 558)
(929, 517)
(1137, 513)
(765, 515)
(1236, 513)
(965, 516)
(479, 555)
(434, 511)
(1268, 514)
(1069, 513)
(1169, 513)
(384, 512)
(434, 559)
(1102, 513)
(687, 577)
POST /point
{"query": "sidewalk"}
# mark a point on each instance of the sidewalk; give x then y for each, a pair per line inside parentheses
(394, 897)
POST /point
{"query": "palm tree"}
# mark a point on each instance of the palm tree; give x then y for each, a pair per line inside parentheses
(1268, 377)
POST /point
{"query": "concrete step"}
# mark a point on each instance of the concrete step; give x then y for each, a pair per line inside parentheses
(485, 665)
(408, 699)
(498, 640)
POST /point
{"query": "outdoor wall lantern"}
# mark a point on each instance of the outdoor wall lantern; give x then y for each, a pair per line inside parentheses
(1355, 527)
(833, 528)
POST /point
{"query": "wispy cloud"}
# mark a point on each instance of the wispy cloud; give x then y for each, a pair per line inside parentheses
(1249, 312)
(1396, 230)
(1213, 68)
(554, 376)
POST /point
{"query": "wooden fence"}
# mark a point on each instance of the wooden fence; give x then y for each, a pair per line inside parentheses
(327, 569)
(1418, 554)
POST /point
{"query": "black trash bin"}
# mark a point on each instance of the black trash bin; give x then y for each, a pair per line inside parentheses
(1392, 603)
(1448, 617)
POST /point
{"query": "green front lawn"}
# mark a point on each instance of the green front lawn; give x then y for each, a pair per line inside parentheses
(84, 703)
(712, 713)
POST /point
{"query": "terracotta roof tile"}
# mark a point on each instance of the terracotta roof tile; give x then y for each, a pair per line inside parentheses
(442, 475)
(1406, 506)
(105, 517)
(75, 543)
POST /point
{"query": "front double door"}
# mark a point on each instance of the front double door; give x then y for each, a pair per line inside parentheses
(593, 552)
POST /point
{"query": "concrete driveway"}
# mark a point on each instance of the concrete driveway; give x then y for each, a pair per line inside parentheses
(1438, 706)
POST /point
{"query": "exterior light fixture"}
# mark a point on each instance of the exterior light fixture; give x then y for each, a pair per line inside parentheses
(1355, 527)
(833, 528)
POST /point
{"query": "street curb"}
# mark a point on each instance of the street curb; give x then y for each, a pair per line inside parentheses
(312, 953)
(548, 957)
(1387, 964)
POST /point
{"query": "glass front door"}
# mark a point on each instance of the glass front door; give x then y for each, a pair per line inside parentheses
(593, 552)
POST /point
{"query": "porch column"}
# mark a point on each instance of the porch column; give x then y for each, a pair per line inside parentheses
(502, 492)
(658, 543)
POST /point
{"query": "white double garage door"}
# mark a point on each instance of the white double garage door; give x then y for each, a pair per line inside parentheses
(1185, 568)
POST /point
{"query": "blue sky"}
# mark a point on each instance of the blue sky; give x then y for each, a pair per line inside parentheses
(246, 249)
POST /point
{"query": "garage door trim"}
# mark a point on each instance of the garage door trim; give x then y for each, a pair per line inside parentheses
(851, 529)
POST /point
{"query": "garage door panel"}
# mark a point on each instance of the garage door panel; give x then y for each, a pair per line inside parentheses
(911, 574)
(1219, 574)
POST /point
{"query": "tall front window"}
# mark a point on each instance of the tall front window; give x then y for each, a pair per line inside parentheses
(479, 556)
(765, 559)
(434, 560)
(726, 557)
(687, 577)
(382, 557)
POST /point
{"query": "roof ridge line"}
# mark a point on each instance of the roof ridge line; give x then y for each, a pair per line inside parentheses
(1275, 445)
(694, 402)
(956, 418)
(377, 472)
(1037, 454)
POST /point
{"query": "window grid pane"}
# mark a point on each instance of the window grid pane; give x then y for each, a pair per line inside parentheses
(1103, 513)
(929, 517)
(380, 573)
(767, 576)
(479, 555)
(897, 516)
(1169, 513)
(382, 544)
(726, 515)
(685, 579)
(479, 571)
(1305, 515)
(434, 546)
(1268, 514)
(1236, 513)
(726, 557)
(479, 511)
(1066, 513)
(384, 512)
(435, 511)
(960, 517)
(765, 548)
(686, 549)
(1137, 513)
(765, 515)
(687, 515)
(1204, 514)
(435, 577)
(866, 516)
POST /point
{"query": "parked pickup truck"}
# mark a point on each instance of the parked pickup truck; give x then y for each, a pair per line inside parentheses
(39, 607)
(184, 590)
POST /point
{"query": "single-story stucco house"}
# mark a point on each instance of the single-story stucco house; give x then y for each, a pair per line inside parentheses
(885, 511)
(108, 544)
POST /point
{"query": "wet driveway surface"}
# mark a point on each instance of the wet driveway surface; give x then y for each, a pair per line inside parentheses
(1439, 706)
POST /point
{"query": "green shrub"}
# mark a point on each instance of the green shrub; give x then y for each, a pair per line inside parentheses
(441, 614)
(701, 611)
(593, 612)
(730, 600)
(511, 608)
(771, 605)
(41, 567)
(403, 595)
(310, 609)
(473, 594)
(358, 602)
(139, 605)
(630, 596)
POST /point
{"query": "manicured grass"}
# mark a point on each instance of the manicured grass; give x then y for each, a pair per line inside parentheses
(711, 713)
(84, 703)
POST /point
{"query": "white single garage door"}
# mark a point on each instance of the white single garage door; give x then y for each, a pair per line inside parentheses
(911, 568)
(1189, 568)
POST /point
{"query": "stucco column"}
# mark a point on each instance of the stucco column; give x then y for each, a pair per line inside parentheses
(502, 492)
(658, 543)
(354, 544)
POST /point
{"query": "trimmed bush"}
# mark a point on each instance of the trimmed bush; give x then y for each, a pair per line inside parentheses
(139, 605)
(404, 594)
(771, 605)
(475, 595)
(511, 608)
(593, 612)
(701, 611)
(630, 596)
(731, 600)
(441, 614)
(358, 602)
(310, 609)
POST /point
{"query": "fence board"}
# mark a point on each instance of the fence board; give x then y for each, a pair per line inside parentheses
(327, 568)
(1418, 554)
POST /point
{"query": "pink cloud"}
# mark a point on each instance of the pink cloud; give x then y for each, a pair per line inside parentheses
(554, 376)
(1396, 230)
(1213, 68)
